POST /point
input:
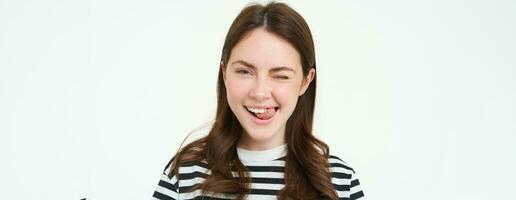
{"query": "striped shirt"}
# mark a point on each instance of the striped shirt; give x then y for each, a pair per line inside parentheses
(266, 172)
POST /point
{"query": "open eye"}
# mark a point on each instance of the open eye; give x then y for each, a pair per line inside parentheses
(242, 71)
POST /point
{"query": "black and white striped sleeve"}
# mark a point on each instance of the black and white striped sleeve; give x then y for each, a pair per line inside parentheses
(345, 180)
(355, 189)
(167, 188)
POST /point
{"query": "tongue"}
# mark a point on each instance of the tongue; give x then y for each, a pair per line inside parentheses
(267, 114)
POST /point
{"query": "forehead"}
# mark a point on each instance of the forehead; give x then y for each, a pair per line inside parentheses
(266, 50)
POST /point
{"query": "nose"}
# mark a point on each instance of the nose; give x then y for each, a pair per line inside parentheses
(261, 90)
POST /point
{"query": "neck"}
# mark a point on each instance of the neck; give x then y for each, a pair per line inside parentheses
(249, 143)
(258, 146)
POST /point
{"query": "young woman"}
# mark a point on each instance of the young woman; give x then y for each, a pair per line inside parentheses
(261, 144)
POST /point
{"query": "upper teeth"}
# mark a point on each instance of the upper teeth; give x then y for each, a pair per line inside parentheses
(257, 110)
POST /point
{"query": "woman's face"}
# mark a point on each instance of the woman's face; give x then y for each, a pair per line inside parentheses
(264, 79)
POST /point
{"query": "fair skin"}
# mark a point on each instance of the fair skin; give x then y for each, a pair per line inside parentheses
(264, 71)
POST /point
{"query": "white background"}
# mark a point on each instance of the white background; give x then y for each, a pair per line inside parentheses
(95, 96)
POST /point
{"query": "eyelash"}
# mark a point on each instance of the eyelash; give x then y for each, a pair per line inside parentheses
(241, 72)
(245, 72)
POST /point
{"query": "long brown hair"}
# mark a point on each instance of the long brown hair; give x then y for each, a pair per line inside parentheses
(306, 172)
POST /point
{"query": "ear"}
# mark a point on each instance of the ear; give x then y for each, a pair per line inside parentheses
(222, 70)
(306, 81)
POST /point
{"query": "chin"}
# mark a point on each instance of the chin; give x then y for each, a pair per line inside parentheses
(261, 135)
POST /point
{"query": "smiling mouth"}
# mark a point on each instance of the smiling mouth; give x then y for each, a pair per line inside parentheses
(262, 113)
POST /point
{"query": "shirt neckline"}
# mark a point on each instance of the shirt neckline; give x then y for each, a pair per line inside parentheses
(264, 155)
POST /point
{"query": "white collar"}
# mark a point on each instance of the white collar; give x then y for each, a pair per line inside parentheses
(265, 155)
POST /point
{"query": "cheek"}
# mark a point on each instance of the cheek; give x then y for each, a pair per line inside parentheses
(235, 91)
(286, 95)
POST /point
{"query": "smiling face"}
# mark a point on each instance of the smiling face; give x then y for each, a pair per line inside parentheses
(264, 79)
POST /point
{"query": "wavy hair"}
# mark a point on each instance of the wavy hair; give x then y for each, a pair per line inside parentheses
(306, 172)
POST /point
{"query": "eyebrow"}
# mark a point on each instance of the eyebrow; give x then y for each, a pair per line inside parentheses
(274, 69)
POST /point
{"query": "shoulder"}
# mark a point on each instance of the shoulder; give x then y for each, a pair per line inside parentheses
(178, 186)
(167, 187)
(340, 165)
(190, 158)
(187, 170)
(344, 178)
